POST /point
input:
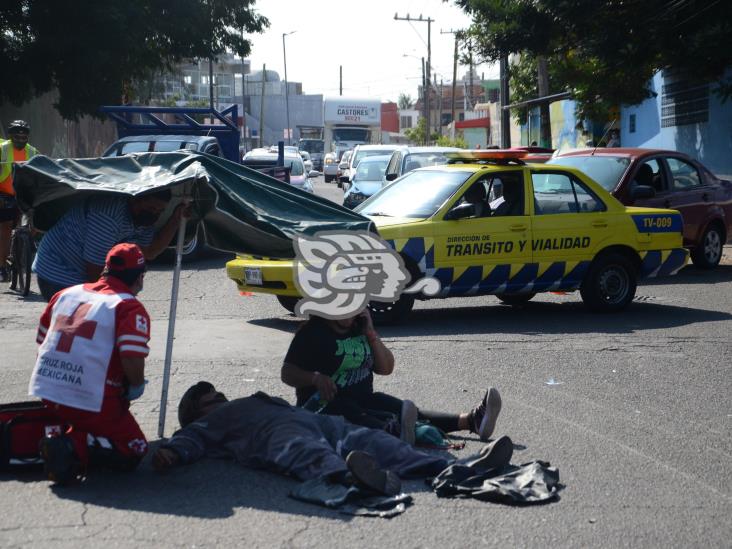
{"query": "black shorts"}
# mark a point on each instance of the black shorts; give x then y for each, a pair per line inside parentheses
(8, 208)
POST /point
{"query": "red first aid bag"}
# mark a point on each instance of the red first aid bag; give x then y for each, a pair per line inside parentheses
(22, 426)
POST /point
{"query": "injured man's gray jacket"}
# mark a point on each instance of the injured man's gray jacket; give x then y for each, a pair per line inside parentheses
(266, 432)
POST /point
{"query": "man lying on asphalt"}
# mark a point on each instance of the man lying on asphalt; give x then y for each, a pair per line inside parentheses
(265, 432)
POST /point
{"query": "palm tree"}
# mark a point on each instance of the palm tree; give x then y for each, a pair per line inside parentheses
(405, 101)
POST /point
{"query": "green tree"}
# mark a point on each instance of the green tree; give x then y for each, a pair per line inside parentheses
(405, 101)
(88, 49)
(416, 134)
(606, 51)
(444, 141)
(524, 85)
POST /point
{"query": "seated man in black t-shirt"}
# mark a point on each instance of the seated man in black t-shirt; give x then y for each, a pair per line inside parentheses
(331, 365)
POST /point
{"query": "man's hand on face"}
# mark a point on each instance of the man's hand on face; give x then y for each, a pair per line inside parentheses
(368, 323)
(164, 459)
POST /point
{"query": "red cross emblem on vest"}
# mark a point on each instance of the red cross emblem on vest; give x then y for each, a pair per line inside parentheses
(74, 326)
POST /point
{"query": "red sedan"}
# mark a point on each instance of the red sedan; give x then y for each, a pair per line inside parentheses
(665, 179)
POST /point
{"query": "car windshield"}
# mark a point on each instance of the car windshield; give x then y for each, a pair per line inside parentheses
(311, 145)
(418, 194)
(160, 146)
(606, 170)
(423, 160)
(296, 166)
(352, 134)
(371, 169)
(361, 154)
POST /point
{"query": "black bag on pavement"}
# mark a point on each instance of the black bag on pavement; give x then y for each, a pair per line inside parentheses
(525, 484)
(22, 426)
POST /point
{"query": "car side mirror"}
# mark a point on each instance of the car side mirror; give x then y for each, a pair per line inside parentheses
(343, 165)
(642, 191)
(313, 173)
(391, 176)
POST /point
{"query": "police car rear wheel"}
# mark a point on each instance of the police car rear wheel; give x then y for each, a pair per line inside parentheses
(391, 313)
(515, 299)
(610, 283)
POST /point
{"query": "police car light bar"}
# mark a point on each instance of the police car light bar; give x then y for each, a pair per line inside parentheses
(493, 156)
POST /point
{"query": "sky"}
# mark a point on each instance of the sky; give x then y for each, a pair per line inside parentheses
(364, 38)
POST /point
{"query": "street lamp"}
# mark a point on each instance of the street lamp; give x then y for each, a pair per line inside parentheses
(287, 95)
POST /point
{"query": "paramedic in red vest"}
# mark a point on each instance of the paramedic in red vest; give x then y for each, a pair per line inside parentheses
(15, 149)
(91, 363)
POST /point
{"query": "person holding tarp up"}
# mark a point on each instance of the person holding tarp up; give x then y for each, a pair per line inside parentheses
(73, 250)
(91, 363)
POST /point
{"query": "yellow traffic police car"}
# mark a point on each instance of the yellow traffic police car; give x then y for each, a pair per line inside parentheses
(488, 223)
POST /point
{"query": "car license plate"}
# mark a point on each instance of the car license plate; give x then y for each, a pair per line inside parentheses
(253, 276)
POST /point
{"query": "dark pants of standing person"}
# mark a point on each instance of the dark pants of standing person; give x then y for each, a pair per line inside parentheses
(377, 410)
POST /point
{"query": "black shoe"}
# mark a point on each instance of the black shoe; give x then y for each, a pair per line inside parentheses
(484, 415)
(496, 454)
(59, 462)
(367, 472)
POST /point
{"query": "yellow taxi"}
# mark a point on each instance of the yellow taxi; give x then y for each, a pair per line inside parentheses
(488, 223)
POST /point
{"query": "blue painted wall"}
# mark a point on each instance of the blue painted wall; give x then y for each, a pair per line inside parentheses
(710, 142)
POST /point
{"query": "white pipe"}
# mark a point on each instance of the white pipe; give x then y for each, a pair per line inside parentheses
(171, 326)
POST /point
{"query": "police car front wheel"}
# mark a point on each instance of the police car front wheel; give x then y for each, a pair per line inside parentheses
(610, 283)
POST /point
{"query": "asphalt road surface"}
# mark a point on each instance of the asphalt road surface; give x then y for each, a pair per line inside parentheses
(633, 408)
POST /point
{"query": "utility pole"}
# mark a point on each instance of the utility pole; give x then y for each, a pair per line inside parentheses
(287, 95)
(437, 108)
(505, 101)
(428, 68)
(454, 78)
(543, 85)
(210, 84)
(424, 104)
(439, 124)
(470, 60)
(261, 107)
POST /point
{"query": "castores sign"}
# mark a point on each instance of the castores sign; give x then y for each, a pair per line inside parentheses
(338, 274)
(361, 112)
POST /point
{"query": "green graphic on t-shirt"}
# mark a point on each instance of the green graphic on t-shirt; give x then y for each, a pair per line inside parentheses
(356, 363)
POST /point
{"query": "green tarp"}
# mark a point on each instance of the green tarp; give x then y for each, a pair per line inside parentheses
(237, 208)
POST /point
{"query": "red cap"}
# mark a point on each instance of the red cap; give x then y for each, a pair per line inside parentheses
(125, 256)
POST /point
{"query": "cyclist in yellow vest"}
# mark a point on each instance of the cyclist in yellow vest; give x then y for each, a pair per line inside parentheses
(15, 149)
